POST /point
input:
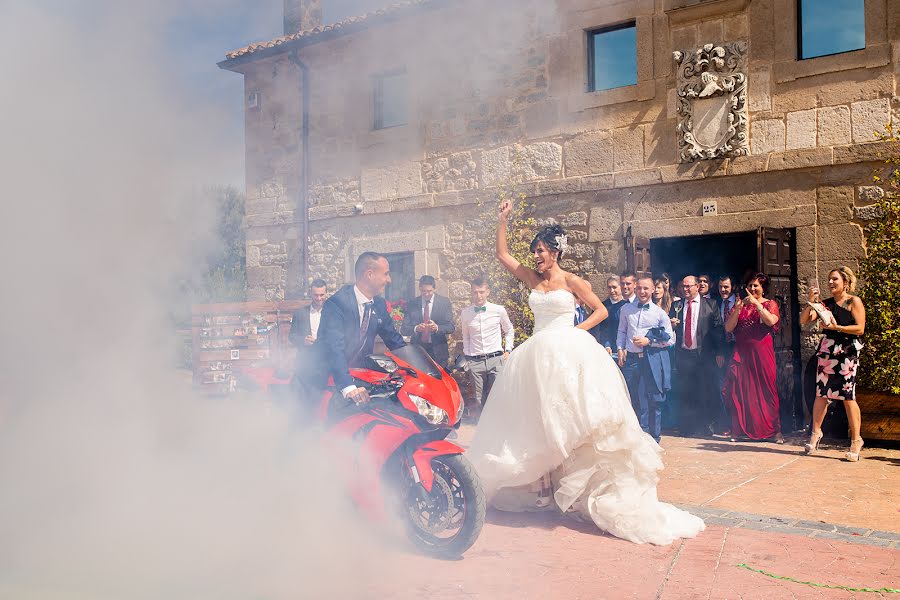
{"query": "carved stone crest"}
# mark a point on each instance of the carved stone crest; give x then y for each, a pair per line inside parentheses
(711, 100)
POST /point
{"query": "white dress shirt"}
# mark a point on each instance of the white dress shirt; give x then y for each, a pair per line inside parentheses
(636, 322)
(694, 307)
(315, 317)
(486, 332)
(632, 300)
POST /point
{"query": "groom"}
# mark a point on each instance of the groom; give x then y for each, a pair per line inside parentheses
(351, 319)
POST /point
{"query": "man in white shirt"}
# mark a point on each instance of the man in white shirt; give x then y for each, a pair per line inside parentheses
(644, 335)
(627, 281)
(487, 336)
(305, 321)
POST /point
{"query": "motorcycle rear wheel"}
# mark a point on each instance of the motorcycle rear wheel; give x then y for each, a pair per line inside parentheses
(446, 522)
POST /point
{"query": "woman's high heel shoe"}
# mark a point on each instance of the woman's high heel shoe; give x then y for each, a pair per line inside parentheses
(813, 444)
(856, 445)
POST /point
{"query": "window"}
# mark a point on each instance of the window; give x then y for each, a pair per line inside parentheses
(403, 277)
(830, 27)
(390, 99)
(612, 57)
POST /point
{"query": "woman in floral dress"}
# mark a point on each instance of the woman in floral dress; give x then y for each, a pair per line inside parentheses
(838, 356)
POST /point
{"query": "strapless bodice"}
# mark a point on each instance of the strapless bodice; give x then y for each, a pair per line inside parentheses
(552, 309)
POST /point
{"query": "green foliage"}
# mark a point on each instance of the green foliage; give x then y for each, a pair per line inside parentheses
(506, 290)
(881, 273)
(217, 258)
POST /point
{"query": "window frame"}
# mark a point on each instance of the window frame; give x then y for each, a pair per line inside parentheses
(591, 38)
(378, 99)
(800, 56)
(786, 67)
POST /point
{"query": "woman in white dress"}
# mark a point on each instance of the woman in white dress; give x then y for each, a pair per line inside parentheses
(560, 408)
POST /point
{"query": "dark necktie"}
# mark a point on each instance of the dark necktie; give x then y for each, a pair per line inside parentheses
(367, 317)
(479, 309)
(643, 306)
(688, 322)
(426, 332)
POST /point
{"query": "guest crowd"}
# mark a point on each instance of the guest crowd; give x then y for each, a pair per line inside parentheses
(697, 355)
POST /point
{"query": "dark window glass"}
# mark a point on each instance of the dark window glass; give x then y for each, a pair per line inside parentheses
(831, 27)
(390, 100)
(612, 57)
(403, 277)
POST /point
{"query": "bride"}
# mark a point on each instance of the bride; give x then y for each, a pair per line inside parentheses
(559, 416)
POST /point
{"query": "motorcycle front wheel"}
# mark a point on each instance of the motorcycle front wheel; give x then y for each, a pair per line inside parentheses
(446, 521)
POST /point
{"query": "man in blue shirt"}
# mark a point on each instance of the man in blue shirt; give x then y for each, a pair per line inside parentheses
(644, 333)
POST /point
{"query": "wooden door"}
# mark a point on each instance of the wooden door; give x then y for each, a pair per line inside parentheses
(637, 255)
(778, 260)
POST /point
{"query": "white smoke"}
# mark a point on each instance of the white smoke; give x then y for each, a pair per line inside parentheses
(116, 481)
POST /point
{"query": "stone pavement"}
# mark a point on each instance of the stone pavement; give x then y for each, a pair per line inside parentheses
(812, 519)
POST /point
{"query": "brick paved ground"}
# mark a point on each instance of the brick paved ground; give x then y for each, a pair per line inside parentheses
(816, 519)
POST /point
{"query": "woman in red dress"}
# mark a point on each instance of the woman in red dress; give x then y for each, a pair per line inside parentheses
(750, 382)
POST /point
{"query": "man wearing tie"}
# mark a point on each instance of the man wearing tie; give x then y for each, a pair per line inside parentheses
(428, 321)
(698, 349)
(644, 333)
(627, 280)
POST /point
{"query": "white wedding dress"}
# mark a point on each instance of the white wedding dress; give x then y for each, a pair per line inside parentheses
(560, 407)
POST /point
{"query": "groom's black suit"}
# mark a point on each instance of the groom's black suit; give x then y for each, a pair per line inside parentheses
(341, 344)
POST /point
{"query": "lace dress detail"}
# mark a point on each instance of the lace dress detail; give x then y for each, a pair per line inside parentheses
(561, 407)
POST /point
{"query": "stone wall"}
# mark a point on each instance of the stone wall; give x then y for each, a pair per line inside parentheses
(513, 114)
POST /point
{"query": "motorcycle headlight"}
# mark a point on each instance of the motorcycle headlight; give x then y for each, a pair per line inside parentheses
(385, 363)
(433, 414)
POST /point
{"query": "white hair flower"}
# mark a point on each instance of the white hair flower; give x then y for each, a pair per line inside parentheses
(562, 242)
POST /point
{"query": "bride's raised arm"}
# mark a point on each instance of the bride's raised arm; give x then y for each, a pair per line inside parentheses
(509, 262)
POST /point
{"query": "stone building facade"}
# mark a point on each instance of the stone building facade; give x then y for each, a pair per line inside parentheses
(498, 98)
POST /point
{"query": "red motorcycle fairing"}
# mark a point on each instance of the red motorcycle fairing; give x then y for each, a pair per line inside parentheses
(422, 459)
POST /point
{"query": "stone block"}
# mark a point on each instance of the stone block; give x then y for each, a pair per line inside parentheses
(737, 27)
(759, 90)
(589, 154)
(867, 194)
(834, 126)
(574, 219)
(869, 117)
(841, 241)
(671, 103)
(252, 256)
(597, 182)
(265, 276)
(806, 243)
(396, 181)
(560, 186)
(711, 32)
(767, 136)
(801, 129)
(628, 148)
(636, 178)
(877, 151)
(800, 159)
(413, 202)
(660, 147)
(862, 213)
(684, 38)
(686, 171)
(835, 204)
(795, 216)
(517, 163)
(605, 223)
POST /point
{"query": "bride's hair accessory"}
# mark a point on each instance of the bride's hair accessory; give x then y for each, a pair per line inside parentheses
(554, 237)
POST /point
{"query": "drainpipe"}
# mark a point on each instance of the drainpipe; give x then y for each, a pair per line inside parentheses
(303, 195)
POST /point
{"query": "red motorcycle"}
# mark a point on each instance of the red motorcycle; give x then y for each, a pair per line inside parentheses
(399, 455)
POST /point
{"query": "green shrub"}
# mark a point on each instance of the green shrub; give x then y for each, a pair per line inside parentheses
(880, 272)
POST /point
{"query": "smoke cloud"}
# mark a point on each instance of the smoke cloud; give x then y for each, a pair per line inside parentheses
(116, 481)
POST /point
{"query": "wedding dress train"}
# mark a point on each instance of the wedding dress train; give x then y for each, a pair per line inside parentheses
(561, 407)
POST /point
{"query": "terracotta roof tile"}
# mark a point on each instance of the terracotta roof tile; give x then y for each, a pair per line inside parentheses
(312, 34)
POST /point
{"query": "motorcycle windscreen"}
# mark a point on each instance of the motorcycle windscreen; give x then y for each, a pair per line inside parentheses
(418, 359)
